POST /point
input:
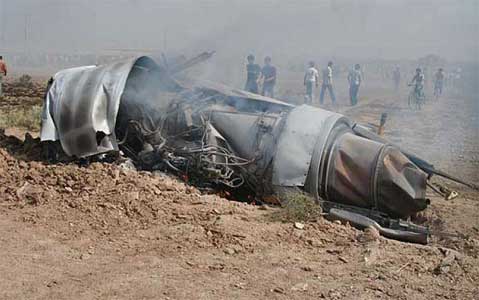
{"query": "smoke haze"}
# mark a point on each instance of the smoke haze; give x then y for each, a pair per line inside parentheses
(389, 29)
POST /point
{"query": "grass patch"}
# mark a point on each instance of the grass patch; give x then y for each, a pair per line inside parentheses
(298, 207)
(26, 117)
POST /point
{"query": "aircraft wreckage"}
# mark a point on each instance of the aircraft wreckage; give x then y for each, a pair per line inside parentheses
(220, 137)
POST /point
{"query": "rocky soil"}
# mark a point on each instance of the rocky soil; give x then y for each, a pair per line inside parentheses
(106, 232)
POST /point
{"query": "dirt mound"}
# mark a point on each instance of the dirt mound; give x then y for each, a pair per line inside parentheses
(101, 194)
(107, 200)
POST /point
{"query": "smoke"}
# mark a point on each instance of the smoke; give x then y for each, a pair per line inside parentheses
(287, 29)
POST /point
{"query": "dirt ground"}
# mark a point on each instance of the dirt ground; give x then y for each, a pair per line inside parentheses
(103, 232)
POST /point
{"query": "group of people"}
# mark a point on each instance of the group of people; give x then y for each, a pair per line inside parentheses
(3, 72)
(266, 76)
(311, 81)
(257, 75)
(418, 82)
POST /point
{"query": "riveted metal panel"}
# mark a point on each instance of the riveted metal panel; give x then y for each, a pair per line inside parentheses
(304, 125)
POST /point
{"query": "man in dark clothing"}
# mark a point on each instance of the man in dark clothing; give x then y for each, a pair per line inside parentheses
(354, 79)
(253, 73)
(268, 74)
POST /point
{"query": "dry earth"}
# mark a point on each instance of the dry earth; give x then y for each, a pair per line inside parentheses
(102, 232)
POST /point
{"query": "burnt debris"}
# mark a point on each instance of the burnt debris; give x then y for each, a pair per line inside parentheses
(220, 137)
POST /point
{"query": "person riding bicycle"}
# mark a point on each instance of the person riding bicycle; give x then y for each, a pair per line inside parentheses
(418, 82)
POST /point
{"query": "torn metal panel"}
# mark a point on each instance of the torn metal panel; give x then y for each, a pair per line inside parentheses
(51, 107)
(82, 105)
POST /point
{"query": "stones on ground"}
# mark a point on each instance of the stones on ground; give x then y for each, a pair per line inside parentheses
(369, 235)
(445, 265)
(30, 193)
(307, 269)
(128, 165)
(314, 242)
(299, 225)
(240, 285)
(300, 287)
(229, 251)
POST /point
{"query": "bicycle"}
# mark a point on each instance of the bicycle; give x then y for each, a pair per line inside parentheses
(416, 98)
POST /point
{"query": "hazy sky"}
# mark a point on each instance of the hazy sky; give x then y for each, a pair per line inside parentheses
(289, 28)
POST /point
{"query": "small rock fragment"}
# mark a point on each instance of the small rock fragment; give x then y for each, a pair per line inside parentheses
(370, 234)
(229, 251)
(298, 225)
(300, 287)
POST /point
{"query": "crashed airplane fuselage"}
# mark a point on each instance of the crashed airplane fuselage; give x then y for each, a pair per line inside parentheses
(219, 136)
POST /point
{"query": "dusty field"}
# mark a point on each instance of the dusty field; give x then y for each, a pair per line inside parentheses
(68, 232)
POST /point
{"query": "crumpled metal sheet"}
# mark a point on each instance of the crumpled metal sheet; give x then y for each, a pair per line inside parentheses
(81, 107)
(304, 126)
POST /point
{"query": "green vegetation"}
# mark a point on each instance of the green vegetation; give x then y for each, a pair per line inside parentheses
(298, 207)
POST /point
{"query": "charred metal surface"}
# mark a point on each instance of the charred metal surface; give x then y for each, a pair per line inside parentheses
(217, 136)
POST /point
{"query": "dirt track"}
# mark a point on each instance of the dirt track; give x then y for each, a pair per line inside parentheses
(105, 233)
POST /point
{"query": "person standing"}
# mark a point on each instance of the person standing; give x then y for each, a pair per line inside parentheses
(439, 78)
(354, 79)
(268, 74)
(253, 73)
(3, 72)
(327, 84)
(396, 78)
(311, 80)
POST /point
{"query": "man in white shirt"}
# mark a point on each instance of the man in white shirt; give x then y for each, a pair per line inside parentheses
(311, 79)
(327, 84)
